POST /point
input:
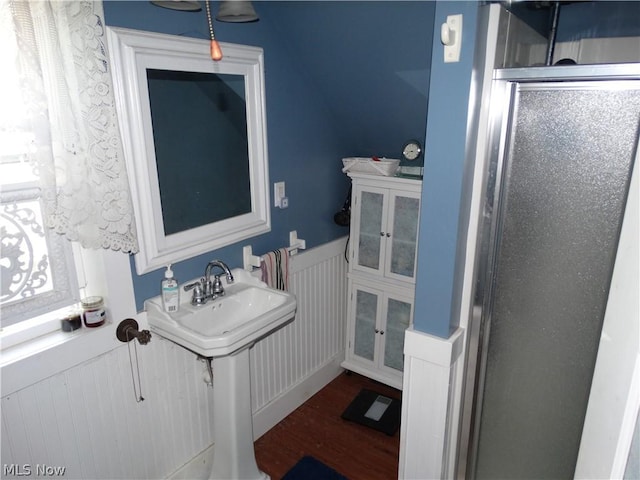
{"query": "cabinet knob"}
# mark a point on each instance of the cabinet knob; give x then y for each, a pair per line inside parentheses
(382, 234)
(381, 332)
(377, 331)
(388, 234)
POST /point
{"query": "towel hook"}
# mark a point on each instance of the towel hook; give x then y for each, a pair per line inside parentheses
(295, 243)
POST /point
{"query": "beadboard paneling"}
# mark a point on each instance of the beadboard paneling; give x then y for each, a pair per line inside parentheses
(87, 420)
(317, 334)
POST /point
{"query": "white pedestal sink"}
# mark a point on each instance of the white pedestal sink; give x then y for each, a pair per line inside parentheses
(224, 329)
(233, 454)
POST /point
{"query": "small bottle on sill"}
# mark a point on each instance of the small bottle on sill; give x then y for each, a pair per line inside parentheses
(93, 313)
(72, 319)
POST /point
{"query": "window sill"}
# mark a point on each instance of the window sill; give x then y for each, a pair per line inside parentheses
(38, 358)
(27, 363)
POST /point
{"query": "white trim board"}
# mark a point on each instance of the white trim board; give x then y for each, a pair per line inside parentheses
(430, 367)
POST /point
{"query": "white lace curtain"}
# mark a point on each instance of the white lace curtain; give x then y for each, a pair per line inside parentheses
(66, 87)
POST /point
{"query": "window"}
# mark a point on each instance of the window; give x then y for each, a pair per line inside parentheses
(61, 163)
(37, 272)
(36, 264)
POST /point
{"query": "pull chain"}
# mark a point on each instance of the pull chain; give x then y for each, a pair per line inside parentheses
(137, 392)
(216, 51)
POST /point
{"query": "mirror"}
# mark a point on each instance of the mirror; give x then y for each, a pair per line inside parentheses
(194, 138)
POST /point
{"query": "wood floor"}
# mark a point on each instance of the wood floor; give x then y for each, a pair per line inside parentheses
(316, 429)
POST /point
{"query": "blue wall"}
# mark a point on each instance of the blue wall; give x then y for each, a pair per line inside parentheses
(369, 61)
(354, 78)
(449, 98)
(342, 79)
(450, 86)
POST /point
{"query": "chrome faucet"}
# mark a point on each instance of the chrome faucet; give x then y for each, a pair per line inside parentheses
(215, 286)
(207, 289)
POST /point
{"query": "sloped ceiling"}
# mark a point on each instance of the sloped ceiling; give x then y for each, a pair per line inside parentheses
(368, 60)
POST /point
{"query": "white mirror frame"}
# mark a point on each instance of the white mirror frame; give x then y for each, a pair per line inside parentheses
(132, 52)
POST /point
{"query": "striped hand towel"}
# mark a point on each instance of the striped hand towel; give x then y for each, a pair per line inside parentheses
(275, 269)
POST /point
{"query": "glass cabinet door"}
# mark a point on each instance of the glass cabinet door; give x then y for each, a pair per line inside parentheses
(404, 236)
(370, 225)
(366, 315)
(380, 320)
(398, 320)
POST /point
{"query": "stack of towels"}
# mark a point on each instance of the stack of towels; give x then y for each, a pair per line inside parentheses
(275, 269)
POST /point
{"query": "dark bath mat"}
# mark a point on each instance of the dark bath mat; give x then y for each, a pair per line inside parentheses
(374, 410)
(309, 468)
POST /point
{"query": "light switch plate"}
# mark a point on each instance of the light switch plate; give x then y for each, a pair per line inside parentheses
(278, 194)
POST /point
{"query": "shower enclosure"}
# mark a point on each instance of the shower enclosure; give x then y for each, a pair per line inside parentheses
(563, 144)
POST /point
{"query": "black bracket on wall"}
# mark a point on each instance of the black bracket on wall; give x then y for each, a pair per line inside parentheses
(128, 330)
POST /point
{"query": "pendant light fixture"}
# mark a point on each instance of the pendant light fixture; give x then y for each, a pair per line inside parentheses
(236, 11)
(194, 6)
(182, 5)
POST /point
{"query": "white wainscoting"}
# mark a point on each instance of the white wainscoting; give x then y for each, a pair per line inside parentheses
(86, 419)
(295, 362)
(430, 376)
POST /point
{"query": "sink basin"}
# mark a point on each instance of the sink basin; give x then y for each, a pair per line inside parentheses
(248, 311)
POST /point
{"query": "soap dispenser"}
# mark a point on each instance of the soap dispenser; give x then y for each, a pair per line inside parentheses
(170, 292)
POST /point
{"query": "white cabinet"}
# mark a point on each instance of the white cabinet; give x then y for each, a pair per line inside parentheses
(385, 214)
(384, 229)
(378, 317)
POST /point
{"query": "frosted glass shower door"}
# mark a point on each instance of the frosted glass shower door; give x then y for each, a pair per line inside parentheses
(561, 191)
